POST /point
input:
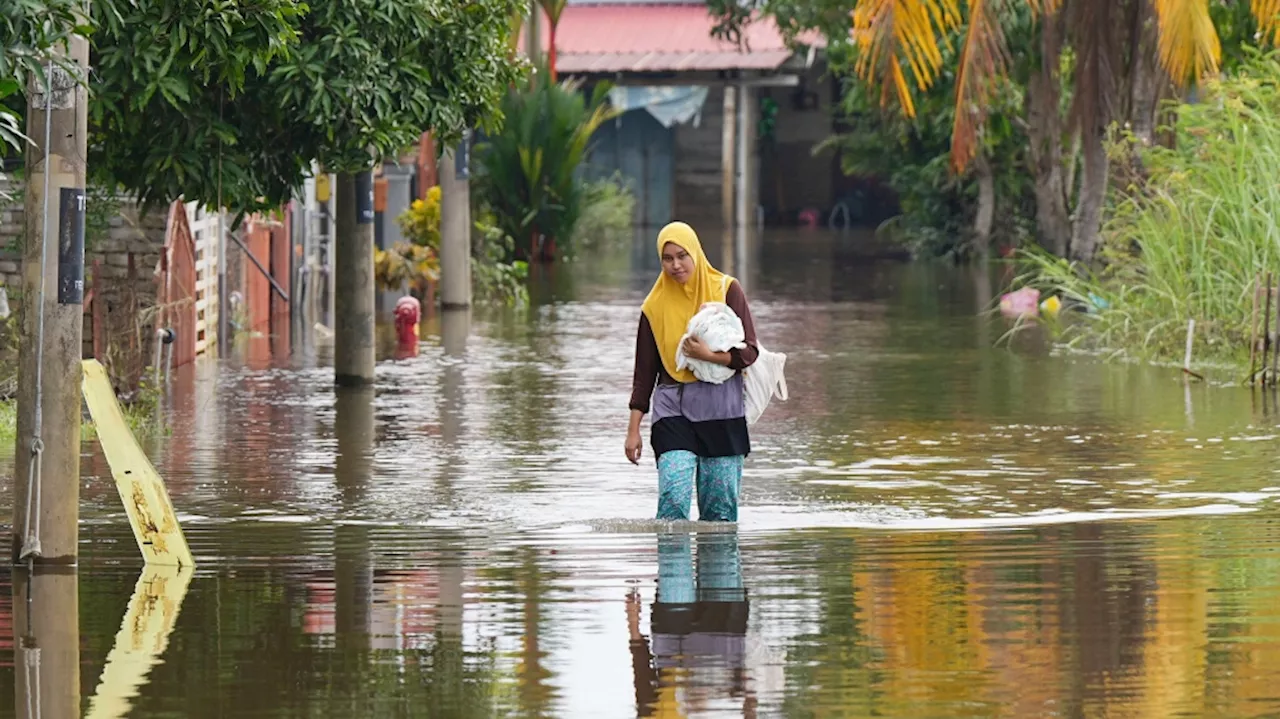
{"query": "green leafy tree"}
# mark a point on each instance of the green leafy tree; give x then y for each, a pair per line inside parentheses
(215, 101)
(369, 77)
(28, 30)
(180, 105)
(941, 212)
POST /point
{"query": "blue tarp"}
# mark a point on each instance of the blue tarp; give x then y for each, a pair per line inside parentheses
(670, 105)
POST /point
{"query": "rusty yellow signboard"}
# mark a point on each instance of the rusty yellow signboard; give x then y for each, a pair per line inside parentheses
(145, 498)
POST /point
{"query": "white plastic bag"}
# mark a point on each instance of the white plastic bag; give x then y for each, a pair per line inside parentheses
(762, 381)
(720, 329)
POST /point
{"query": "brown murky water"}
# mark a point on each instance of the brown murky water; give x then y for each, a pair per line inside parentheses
(931, 527)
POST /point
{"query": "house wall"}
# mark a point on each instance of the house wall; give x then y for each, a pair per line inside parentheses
(788, 176)
(792, 178)
(639, 148)
(697, 165)
(130, 233)
(119, 271)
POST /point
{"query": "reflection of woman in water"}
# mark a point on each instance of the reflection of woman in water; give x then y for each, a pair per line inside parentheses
(699, 432)
(699, 624)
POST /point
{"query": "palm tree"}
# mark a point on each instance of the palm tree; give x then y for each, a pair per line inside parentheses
(1127, 54)
(553, 9)
(901, 37)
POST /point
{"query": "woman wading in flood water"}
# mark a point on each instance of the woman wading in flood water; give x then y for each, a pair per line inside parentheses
(699, 431)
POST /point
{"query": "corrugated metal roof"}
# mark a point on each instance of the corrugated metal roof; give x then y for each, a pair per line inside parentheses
(610, 38)
(668, 61)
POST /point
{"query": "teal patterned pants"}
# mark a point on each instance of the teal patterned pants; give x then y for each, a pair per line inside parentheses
(717, 480)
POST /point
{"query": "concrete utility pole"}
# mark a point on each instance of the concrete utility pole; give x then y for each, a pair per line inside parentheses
(455, 228)
(354, 352)
(47, 458)
(355, 429)
(745, 167)
(728, 164)
(46, 625)
(748, 181)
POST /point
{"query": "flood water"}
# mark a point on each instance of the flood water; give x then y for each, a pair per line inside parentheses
(932, 526)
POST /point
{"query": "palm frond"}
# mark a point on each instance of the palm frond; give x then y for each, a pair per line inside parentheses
(1268, 14)
(889, 33)
(1189, 46)
(982, 59)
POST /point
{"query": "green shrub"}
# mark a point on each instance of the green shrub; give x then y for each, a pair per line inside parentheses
(529, 170)
(495, 275)
(608, 206)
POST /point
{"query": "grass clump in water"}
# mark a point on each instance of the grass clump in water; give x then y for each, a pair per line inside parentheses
(1192, 240)
(9, 425)
(141, 415)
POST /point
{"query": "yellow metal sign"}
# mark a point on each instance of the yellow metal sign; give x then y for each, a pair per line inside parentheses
(142, 639)
(322, 187)
(146, 501)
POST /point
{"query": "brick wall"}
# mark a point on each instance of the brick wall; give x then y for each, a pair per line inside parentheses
(127, 298)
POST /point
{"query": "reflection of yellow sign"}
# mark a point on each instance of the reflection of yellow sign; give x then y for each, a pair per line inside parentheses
(142, 639)
(146, 501)
(322, 187)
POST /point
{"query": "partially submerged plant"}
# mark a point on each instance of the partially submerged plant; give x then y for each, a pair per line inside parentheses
(1193, 240)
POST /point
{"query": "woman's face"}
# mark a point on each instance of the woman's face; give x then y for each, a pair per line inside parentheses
(677, 263)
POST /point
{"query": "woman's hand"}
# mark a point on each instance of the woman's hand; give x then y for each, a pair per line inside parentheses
(634, 445)
(694, 348)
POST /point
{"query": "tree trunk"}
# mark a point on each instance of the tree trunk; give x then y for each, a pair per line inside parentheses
(1093, 192)
(533, 41)
(986, 206)
(1099, 92)
(1145, 75)
(1044, 130)
(1146, 80)
(1073, 163)
(551, 49)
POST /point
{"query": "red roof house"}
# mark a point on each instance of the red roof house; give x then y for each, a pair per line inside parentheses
(675, 83)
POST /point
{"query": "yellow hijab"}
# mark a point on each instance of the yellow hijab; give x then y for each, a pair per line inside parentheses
(670, 305)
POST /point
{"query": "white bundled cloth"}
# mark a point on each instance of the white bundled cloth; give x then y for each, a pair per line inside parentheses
(720, 329)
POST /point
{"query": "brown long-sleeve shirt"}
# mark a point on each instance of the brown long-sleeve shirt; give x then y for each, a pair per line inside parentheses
(649, 370)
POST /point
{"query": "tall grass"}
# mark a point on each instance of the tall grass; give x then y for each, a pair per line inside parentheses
(1190, 241)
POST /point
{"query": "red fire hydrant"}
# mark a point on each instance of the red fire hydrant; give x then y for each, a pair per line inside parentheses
(408, 313)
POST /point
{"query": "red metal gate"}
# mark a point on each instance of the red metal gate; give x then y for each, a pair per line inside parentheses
(177, 285)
